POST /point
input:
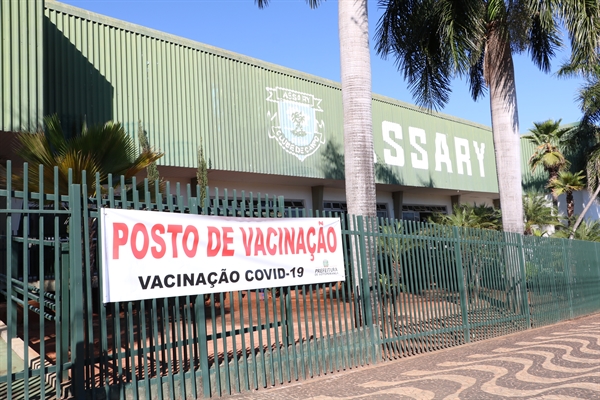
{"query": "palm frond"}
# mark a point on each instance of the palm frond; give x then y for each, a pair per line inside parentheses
(431, 42)
(567, 182)
(589, 100)
(98, 150)
(543, 40)
(581, 19)
(475, 78)
(538, 212)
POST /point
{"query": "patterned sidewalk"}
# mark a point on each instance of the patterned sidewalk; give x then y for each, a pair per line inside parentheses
(557, 362)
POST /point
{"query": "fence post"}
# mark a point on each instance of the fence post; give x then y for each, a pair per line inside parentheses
(75, 290)
(464, 310)
(13, 273)
(567, 270)
(367, 289)
(196, 207)
(524, 292)
(289, 315)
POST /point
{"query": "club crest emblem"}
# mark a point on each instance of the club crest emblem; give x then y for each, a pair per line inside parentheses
(295, 126)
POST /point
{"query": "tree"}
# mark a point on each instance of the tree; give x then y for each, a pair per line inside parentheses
(102, 149)
(538, 213)
(587, 230)
(202, 174)
(593, 181)
(356, 102)
(588, 132)
(566, 183)
(472, 216)
(549, 138)
(151, 169)
(434, 41)
(359, 170)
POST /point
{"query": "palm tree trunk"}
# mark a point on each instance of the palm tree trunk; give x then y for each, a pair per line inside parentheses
(552, 175)
(585, 210)
(356, 100)
(500, 77)
(570, 206)
(499, 74)
(355, 65)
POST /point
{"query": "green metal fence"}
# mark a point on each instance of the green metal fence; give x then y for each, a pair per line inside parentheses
(410, 288)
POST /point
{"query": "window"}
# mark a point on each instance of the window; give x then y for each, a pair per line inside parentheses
(342, 207)
(420, 212)
(257, 208)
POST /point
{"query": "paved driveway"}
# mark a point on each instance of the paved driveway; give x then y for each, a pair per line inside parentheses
(558, 362)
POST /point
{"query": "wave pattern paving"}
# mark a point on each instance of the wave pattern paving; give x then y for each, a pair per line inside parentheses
(550, 363)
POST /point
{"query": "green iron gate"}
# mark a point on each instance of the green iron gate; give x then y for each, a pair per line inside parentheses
(181, 347)
(410, 288)
(36, 277)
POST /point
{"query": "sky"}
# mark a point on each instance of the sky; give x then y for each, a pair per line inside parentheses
(290, 34)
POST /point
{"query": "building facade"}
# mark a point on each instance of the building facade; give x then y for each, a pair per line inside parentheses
(264, 128)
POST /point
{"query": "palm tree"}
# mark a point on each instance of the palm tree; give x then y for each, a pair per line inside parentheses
(472, 216)
(434, 41)
(549, 138)
(538, 213)
(202, 173)
(588, 132)
(359, 170)
(587, 230)
(566, 183)
(151, 170)
(103, 149)
(355, 63)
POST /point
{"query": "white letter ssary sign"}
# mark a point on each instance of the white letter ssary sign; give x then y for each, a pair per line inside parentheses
(149, 255)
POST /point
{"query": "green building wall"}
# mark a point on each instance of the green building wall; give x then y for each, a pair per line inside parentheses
(98, 68)
(87, 67)
(21, 76)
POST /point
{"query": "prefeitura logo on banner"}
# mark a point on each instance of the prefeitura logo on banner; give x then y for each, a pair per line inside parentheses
(295, 125)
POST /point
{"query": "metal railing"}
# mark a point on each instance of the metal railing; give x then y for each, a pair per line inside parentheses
(410, 288)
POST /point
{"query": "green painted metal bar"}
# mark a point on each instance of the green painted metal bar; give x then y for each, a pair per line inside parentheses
(461, 286)
(76, 280)
(567, 271)
(449, 284)
(270, 345)
(320, 337)
(158, 355)
(178, 354)
(179, 320)
(190, 323)
(235, 384)
(146, 349)
(87, 289)
(103, 373)
(347, 304)
(277, 342)
(116, 311)
(314, 358)
(25, 271)
(11, 311)
(524, 293)
(142, 359)
(410, 262)
(399, 248)
(366, 285)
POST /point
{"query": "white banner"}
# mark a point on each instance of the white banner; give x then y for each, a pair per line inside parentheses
(157, 254)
